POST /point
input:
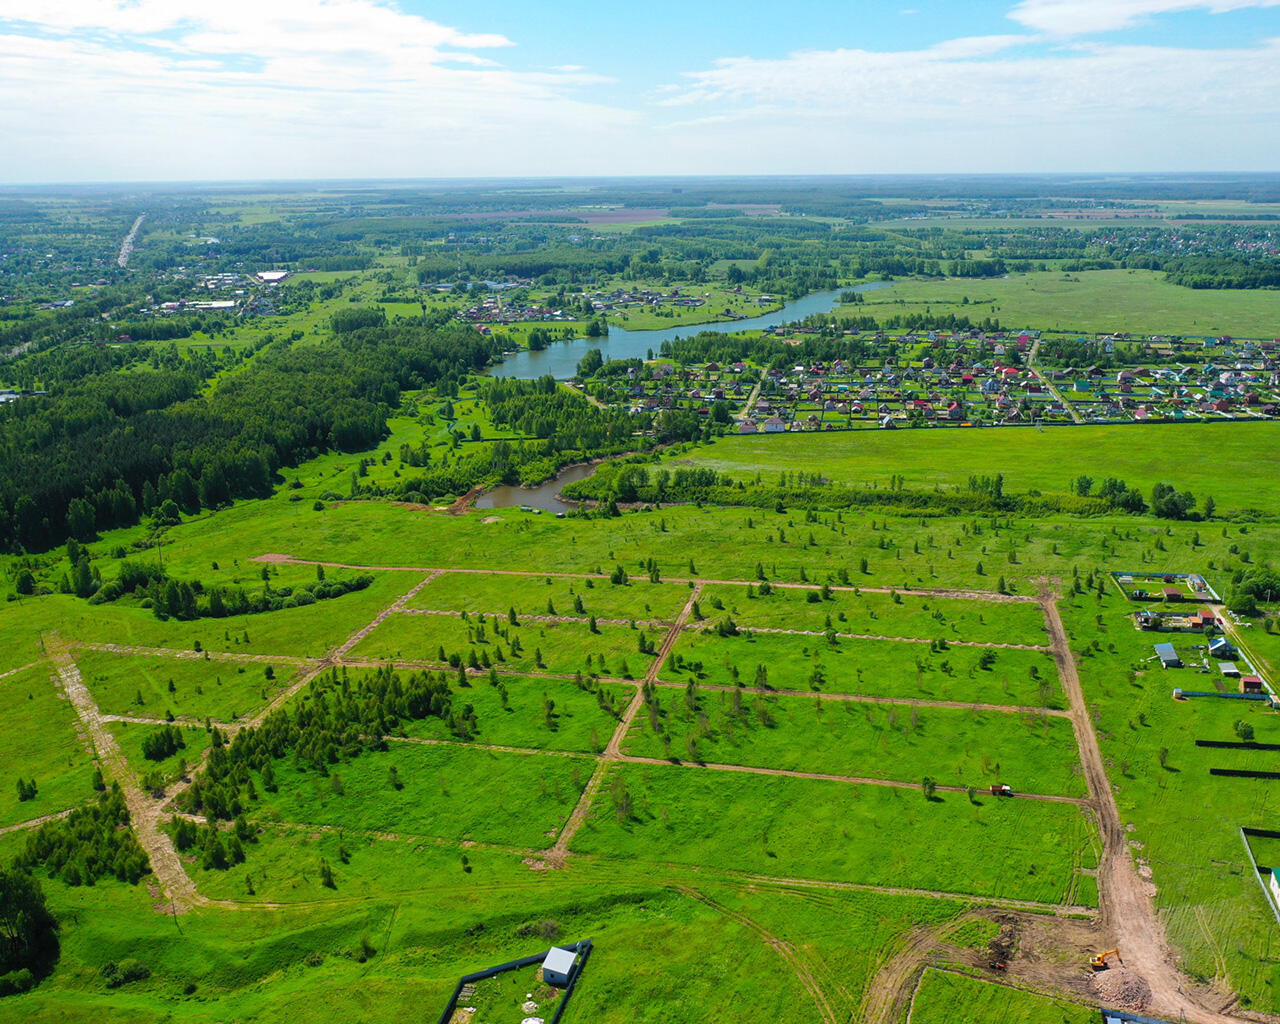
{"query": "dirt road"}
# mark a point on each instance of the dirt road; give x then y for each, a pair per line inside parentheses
(1127, 911)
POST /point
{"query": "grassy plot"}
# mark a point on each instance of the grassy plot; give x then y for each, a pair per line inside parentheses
(546, 646)
(152, 686)
(637, 600)
(1137, 301)
(282, 864)
(450, 792)
(945, 997)
(546, 713)
(900, 615)
(804, 828)
(303, 632)
(1185, 822)
(130, 736)
(882, 668)
(40, 742)
(954, 747)
(1028, 459)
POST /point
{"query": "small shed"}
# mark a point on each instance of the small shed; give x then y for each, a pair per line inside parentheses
(1221, 647)
(1228, 668)
(1250, 684)
(1168, 656)
(1172, 593)
(558, 966)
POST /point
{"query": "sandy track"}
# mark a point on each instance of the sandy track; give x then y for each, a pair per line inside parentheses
(879, 636)
(783, 948)
(139, 651)
(1127, 910)
(613, 750)
(144, 813)
(22, 826)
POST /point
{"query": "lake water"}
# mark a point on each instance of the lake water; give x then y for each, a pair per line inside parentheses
(561, 358)
(543, 496)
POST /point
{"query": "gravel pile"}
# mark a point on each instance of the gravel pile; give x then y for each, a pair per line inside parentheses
(1122, 989)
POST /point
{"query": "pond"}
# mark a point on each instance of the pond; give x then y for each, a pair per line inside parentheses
(541, 497)
(561, 358)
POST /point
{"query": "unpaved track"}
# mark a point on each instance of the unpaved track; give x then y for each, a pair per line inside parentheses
(613, 750)
(144, 813)
(781, 947)
(965, 595)
(139, 651)
(886, 997)
(857, 780)
(879, 636)
(863, 698)
(15, 671)
(22, 826)
(1127, 911)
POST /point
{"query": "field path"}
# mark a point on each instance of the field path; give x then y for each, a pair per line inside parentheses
(139, 651)
(783, 948)
(963, 595)
(22, 826)
(876, 636)
(613, 751)
(859, 698)
(144, 813)
(886, 997)
(1127, 911)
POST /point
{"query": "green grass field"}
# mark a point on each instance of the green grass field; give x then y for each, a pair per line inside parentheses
(565, 647)
(944, 997)
(40, 742)
(1136, 301)
(878, 668)
(1028, 459)
(140, 686)
(875, 614)
(638, 600)
(787, 827)
(954, 747)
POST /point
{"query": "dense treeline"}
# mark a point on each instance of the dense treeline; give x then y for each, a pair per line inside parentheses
(630, 482)
(90, 843)
(122, 446)
(337, 720)
(180, 599)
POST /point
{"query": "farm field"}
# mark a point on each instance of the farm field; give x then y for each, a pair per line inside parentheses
(1028, 459)
(1137, 301)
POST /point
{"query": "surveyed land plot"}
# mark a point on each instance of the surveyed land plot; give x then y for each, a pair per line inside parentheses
(563, 647)
(153, 686)
(1184, 823)
(805, 828)
(131, 736)
(953, 746)
(910, 616)
(944, 997)
(873, 668)
(497, 593)
(541, 713)
(448, 792)
(40, 743)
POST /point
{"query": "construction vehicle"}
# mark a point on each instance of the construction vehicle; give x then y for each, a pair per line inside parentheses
(1001, 790)
(998, 965)
(1099, 961)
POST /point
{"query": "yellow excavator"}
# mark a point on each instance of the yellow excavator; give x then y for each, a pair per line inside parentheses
(1099, 961)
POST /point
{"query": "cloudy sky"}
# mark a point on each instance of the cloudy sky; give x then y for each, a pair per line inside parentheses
(144, 90)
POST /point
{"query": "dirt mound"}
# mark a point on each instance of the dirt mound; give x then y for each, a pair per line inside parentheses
(1122, 989)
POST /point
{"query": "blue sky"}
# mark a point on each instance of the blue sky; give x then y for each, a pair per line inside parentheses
(211, 89)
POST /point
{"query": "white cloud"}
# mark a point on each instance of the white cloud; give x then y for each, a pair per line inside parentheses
(993, 103)
(296, 88)
(1080, 17)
